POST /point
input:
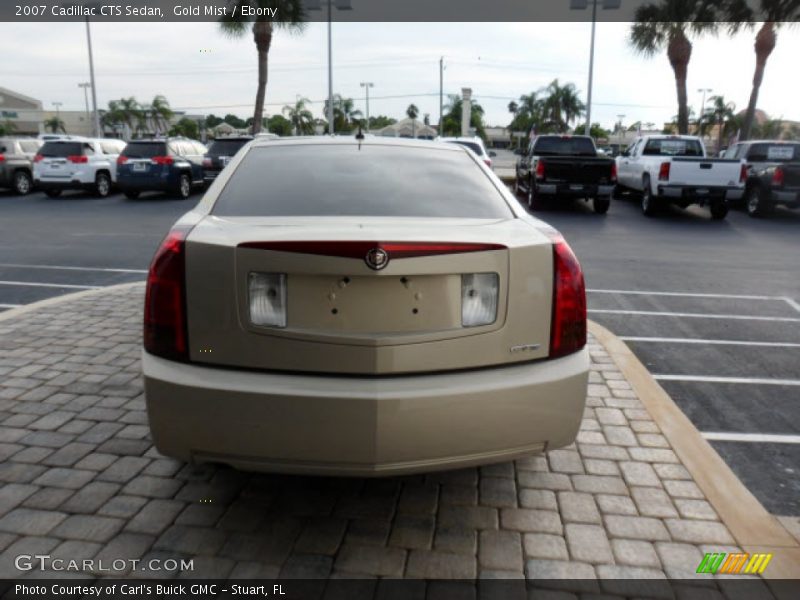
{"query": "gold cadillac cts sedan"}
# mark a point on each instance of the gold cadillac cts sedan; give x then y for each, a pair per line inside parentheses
(344, 306)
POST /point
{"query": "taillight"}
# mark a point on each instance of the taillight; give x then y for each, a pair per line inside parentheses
(206, 162)
(165, 329)
(78, 159)
(663, 172)
(540, 170)
(163, 160)
(568, 326)
(38, 158)
(2, 158)
(613, 171)
(121, 160)
(488, 162)
(777, 177)
(743, 173)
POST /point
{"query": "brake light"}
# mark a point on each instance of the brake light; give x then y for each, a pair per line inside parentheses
(568, 325)
(78, 159)
(777, 177)
(163, 160)
(743, 173)
(2, 157)
(488, 162)
(165, 329)
(206, 162)
(613, 171)
(121, 160)
(540, 170)
(38, 158)
(663, 172)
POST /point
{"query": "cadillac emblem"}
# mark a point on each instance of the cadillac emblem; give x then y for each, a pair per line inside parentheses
(377, 259)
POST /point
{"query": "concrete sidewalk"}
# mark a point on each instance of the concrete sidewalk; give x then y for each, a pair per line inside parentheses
(82, 481)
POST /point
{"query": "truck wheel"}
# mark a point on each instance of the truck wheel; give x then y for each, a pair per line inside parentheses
(649, 203)
(22, 183)
(184, 189)
(53, 193)
(719, 209)
(517, 189)
(602, 204)
(534, 201)
(102, 185)
(758, 205)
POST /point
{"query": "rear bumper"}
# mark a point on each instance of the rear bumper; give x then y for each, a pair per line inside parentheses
(700, 194)
(363, 426)
(150, 184)
(574, 190)
(787, 197)
(62, 184)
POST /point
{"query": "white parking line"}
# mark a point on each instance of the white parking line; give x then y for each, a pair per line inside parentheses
(684, 294)
(50, 285)
(792, 303)
(665, 340)
(764, 438)
(712, 379)
(63, 268)
(652, 313)
(10, 305)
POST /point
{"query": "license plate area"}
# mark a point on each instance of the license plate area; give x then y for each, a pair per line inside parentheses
(140, 167)
(576, 186)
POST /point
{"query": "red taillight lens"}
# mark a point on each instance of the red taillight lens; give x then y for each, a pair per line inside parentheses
(206, 162)
(165, 330)
(78, 159)
(540, 170)
(488, 162)
(743, 174)
(395, 250)
(568, 326)
(613, 171)
(163, 160)
(777, 177)
(38, 158)
(2, 157)
(121, 160)
(663, 172)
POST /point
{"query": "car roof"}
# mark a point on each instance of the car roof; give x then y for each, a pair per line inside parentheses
(352, 141)
(234, 138)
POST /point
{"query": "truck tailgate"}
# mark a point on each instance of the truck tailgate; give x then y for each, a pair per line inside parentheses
(586, 170)
(711, 172)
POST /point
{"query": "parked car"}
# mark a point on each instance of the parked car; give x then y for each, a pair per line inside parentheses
(473, 143)
(16, 163)
(773, 174)
(565, 166)
(220, 152)
(77, 163)
(306, 321)
(172, 165)
(675, 169)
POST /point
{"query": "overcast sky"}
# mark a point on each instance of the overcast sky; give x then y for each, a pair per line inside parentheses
(201, 71)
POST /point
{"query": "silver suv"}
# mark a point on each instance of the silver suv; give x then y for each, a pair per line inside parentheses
(16, 163)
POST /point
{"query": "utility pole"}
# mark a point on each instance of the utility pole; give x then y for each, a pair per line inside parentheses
(86, 87)
(58, 106)
(702, 106)
(96, 118)
(588, 131)
(441, 96)
(366, 85)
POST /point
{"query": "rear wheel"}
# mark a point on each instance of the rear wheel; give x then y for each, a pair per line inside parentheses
(53, 193)
(719, 209)
(534, 200)
(758, 204)
(184, 186)
(649, 202)
(602, 204)
(517, 189)
(22, 183)
(102, 185)
(131, 194)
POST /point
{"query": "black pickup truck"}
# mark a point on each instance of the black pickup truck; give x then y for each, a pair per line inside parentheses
(773, 174)
(565, 166)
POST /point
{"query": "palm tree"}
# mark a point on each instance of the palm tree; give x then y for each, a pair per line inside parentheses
(721, 113)
(667, 24)
(451, 124)
(412, 111)
(54, 124)
(513, 108)
(771, 129)
(344, 113)
(160, 113)
(125, 111)
(290, 15)
(774, 13)
(301, 118)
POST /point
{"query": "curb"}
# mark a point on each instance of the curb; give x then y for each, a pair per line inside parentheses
(21, 310)
(753, 527)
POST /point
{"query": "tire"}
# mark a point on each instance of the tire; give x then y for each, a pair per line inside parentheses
(757, 202)
(53, 193)
(184, 189)
(534, 200)
(517, 189)
(102, 185)
(649, 203)
(23, 184)
(719, 209)
(131, 194)
(602, 204)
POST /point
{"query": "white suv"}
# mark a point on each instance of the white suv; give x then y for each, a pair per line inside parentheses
(473, 143)
(77, 163)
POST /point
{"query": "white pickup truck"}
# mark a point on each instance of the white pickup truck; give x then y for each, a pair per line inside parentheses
(675, 169)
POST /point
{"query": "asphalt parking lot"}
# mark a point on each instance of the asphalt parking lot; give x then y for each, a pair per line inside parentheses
(711, 308)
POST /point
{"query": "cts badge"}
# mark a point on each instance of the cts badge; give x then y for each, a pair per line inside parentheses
(377, 259)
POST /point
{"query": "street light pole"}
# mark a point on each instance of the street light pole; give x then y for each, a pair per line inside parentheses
(702, 106)
(441, 96)
(366, 85)
(58, 107)
(620, 117)
(96, 116)
(340, 5)
(85, 87)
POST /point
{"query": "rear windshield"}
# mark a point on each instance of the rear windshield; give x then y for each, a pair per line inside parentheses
(564, 146)
(373, 181)
(471, 145)
(61, 149)
(226, 147)
(145, 149)
(774, 152)
(670, 147)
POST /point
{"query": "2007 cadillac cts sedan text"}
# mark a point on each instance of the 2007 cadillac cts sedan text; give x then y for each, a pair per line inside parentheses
(338, 306)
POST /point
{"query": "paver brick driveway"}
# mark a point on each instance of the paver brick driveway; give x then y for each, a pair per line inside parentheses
(82, 480)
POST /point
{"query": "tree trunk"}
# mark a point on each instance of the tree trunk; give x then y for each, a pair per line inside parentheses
(765, 44)
(679, 52)
(262, 34)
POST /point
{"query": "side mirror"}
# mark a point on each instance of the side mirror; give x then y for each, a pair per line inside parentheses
(492, 153)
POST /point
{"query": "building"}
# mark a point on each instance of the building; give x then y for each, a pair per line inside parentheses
(23, 114)
(408, 128)
(498, 137)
